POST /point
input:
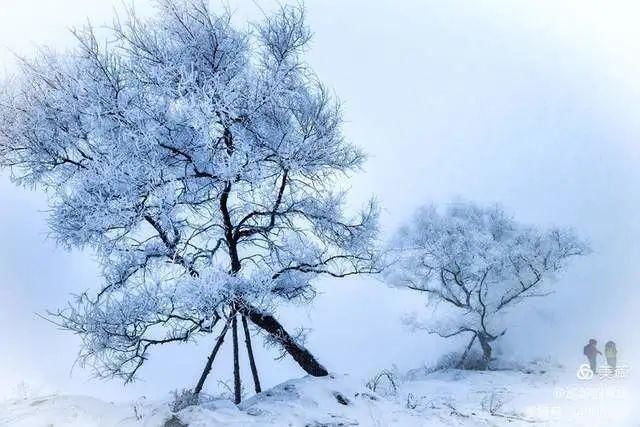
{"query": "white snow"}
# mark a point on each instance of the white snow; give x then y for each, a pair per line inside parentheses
(534, 395)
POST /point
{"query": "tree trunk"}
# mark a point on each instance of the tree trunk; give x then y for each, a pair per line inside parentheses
(252, 362)
(212, 356)
(486, 349)
(236, 362)
(300, 354)
(460, 364)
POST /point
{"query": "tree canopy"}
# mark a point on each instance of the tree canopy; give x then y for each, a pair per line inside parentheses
(200, 161)
(479, 263)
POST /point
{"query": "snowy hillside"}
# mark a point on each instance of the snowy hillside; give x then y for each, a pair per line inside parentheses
(306, 401)
(534, 395)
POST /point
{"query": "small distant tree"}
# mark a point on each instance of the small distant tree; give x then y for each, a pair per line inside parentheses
(202, 163)
(477, 263)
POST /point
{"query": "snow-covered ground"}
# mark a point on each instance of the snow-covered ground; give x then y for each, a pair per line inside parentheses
(536, 394)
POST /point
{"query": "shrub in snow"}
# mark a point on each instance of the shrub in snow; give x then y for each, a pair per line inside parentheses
(385, 383)
(473, 361)
(182, 399)
(493, 402)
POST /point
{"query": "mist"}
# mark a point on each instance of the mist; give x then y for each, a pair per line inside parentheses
(530, 105)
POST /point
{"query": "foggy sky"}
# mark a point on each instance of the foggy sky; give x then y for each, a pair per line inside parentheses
(533, 105)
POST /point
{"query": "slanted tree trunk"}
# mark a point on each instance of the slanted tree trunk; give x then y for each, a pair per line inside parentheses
(486, 348)
(212, 356)
(270, 325)
(460, 364)
(252, 362)
(237, 385)
(265, 321)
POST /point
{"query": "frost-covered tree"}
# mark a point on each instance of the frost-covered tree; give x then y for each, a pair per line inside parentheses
(202, 163)
(475, 264)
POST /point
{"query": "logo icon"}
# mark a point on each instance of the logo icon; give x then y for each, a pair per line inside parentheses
(584, 372)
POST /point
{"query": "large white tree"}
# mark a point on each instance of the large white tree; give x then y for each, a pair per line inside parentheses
(475, 264)
(202, 162)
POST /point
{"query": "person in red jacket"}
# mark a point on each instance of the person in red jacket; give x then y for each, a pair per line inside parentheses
(591, 351)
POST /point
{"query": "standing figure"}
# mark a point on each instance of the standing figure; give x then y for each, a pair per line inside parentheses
(591, 351)
(611, 353)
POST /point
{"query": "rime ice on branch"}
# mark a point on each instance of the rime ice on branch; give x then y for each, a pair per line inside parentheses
(478, 263)
(201, 162)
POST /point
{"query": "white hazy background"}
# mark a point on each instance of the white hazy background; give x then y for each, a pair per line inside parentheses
(530, 104)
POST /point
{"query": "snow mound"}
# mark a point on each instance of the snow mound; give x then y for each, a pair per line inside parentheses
(327, 401)
(536, 394)
(67, 411)
(308, 401)
(74, 411)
